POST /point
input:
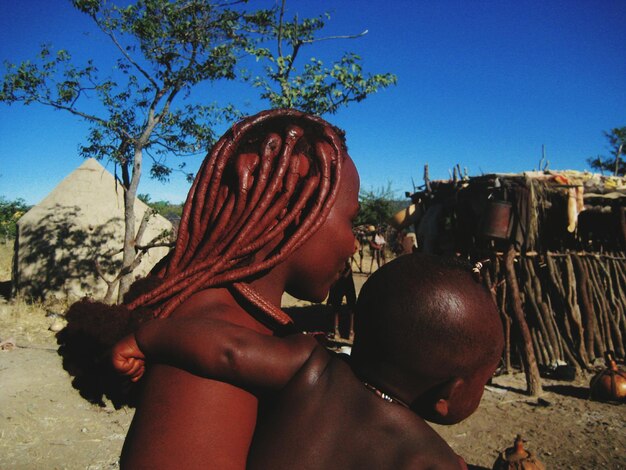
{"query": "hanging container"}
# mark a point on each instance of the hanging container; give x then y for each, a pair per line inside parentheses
(497, 220)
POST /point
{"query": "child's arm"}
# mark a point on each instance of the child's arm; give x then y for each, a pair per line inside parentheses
(215, 349)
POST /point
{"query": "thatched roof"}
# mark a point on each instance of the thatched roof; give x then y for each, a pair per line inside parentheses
(550, 209)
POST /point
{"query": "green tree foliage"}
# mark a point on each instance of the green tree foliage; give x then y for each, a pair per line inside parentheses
(10, 213)
(171, 212)
(315, 87)
(377, 206)
(614, 164)
(164, 49)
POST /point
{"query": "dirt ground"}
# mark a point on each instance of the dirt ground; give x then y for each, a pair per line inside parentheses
(45, 424)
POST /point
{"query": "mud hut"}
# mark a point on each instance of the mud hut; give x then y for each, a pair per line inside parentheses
(73, 237)
(553, 247)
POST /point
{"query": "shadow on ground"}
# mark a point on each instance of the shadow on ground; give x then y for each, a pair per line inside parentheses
(5, 290)
(569, 391)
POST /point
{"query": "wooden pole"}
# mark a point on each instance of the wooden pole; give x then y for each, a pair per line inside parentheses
(586, 310)
(533, 381)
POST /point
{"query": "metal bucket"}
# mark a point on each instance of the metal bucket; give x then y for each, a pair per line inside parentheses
(497, 220)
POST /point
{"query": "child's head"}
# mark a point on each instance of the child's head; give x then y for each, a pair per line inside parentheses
(268, 185)
(428, 332)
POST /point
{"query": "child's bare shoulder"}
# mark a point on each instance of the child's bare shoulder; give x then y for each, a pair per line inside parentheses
(318, 358)
(425, 449)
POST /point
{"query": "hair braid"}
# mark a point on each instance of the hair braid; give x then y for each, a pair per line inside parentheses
(273, 174)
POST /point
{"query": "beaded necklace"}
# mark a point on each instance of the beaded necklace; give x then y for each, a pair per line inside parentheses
(385, 396)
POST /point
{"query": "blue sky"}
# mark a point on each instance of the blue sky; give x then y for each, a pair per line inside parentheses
(480, 83)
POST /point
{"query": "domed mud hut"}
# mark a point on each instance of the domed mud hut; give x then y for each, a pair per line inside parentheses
(69, 245)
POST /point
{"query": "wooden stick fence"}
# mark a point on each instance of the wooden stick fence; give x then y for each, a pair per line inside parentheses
(573, 303)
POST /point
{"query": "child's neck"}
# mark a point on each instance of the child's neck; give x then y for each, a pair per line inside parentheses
(377, 385)
(383, 395)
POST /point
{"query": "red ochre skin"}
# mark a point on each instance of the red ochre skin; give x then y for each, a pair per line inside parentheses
(354, 428)
(317, 412)
(183, 421)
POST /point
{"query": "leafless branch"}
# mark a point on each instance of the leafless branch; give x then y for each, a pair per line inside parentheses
(280, 29)
(155, 245)
(328, 38)
(143, 225)
(102, 275)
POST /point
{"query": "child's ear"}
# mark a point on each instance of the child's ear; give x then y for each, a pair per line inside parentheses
(446, 395)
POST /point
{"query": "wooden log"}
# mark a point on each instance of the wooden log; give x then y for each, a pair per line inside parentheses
(507, 331)
(531, 301)
(603, 306)
(547, 316)
(596, 304)
(615, 309)
(561, 296)
(619, 269)
(542, 286)
(619, 283)
(507, 320)
(563, 332)
(612, 340)
(552, 326)
(586, 311)
(492, 290)
(540, 352)
(533, 380)
(574, 311)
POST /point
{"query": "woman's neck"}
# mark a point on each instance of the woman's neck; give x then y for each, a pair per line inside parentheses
(270, 286)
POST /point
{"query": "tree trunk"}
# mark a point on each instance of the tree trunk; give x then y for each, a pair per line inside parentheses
(531, 370)
(130, 251)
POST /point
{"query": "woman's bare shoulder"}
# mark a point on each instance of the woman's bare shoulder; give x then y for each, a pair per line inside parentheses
(215, 304)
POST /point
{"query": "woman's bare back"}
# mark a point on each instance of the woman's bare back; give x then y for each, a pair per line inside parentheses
(184, 421)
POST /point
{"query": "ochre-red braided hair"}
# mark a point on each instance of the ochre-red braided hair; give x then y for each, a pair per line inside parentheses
(272, 176)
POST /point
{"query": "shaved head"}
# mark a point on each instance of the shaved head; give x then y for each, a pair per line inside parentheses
(426, 315)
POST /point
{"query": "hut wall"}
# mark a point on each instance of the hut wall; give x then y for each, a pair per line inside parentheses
(570, 232)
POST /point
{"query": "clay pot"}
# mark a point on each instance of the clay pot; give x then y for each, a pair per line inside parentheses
(517, 458)
(610, 384)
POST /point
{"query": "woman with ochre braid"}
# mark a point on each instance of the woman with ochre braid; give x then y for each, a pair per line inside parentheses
(270, 211)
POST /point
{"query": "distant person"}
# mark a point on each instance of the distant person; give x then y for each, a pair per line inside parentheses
(361, 240)
(343, 288)
(378, 250)
(408, 243)
(428, 337)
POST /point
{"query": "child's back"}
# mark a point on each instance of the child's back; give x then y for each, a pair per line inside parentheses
(326, 418)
